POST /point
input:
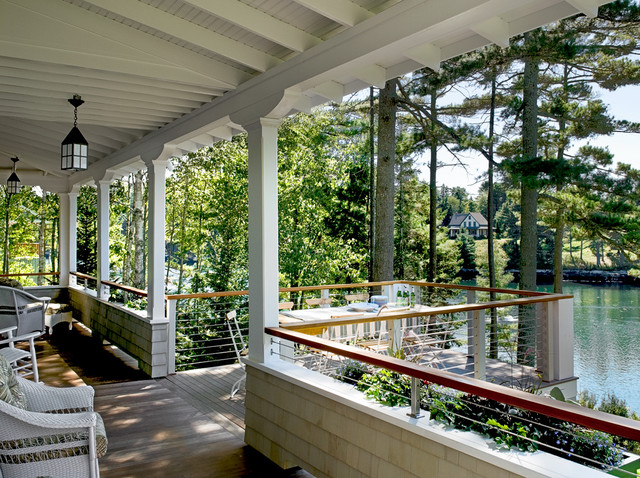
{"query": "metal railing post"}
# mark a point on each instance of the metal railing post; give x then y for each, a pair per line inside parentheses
(172, 306)
(415, 398)
(479, 354)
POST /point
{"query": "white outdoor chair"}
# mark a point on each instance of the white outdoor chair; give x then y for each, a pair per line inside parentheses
(47, 431)
(22, 318)
(239, 346)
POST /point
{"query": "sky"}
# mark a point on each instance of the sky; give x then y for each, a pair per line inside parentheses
(624, 103)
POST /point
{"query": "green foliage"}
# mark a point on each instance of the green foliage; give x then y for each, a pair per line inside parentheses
(387, 387)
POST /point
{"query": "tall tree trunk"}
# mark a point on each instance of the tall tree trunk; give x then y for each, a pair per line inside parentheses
(558, 240)
(558, 237)
(528, 208)
(433, 194)
(138, 234)
(42, 243)
(183, 226)
(5, 261)
(128, 240)
(372, 182)
(383, 238)
(54, 247)
(493, 335)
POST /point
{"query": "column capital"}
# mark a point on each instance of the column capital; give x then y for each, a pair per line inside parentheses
(158, 157)
(259, 123)
(105, 177)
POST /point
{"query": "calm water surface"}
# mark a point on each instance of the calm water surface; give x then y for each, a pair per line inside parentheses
(607, 340)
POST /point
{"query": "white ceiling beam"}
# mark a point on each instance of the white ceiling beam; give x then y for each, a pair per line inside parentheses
(112, 80)
(495, 29)
(190, 32)
(223, 132)
(588, 7)
(258, 23)
(344, 12)
(372, 74)
(331, 90)
(29, 84)
(65, 34)
(55, 99)
(428, 55)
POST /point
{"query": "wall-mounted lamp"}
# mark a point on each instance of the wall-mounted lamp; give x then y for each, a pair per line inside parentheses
(74, 148)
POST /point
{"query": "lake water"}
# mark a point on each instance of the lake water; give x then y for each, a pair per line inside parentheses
(607, 339)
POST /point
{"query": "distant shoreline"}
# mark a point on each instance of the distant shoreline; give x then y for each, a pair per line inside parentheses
(582, 276)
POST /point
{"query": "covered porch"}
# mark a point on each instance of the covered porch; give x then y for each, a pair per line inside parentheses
(162, 81)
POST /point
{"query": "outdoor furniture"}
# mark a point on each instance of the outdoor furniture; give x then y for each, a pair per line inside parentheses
(285, 305)
(22, 318)
(47, 431)
(318, 302)
(356, 297)
(239, 346)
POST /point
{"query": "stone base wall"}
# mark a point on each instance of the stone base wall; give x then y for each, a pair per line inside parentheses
(299, 418)
(131, 331)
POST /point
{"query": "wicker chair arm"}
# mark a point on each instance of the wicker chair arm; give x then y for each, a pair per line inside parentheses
(42, 398)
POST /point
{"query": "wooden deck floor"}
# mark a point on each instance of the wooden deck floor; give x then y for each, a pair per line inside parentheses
(182, 426)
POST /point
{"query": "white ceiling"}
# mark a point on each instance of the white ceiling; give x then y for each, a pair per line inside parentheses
(186, 72)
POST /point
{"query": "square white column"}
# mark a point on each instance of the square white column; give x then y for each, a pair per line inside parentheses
(263, 235)
(103, 237)
(157, 170)
(68, 235)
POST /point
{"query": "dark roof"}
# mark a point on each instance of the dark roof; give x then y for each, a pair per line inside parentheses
(458, 219)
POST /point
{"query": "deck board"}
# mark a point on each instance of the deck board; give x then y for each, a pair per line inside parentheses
(182, 426)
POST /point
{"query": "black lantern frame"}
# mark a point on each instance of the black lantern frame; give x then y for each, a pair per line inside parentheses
(13, 182)
(74, 150)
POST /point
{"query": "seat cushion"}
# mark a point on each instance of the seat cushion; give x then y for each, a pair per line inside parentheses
(10, 390)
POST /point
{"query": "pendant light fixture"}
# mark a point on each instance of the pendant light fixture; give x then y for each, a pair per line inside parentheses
(75, 149)
(13, 182)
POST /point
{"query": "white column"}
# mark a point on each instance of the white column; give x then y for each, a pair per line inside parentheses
(263, 235)
(103, 236)
(68, 236)
(157, 170)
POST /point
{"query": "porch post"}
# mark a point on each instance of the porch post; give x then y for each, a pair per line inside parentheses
(103, 235)
(263, 235)
(68, 238)
(157, 169)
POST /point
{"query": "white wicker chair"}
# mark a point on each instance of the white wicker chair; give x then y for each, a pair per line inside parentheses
(47, 431)
(22, 318)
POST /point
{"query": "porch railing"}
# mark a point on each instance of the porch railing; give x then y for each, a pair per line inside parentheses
(51, 277)
(462, 324)
(554, 412)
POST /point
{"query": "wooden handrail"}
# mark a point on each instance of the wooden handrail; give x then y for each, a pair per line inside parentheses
(82, 275)
(447, 309)
(31, 274)
(204, 295)
(126, 288)
(612, 424)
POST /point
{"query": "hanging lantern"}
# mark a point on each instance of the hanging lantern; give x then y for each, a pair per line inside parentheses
(75, 149)
(13, 182)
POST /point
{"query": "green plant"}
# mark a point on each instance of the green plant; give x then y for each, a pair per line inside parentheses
(350, 371)
(614, 405)
(387, 387)
(587, 399)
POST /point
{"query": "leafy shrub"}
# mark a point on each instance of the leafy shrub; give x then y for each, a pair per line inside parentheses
(350, 371)
(587, 399)
(387, 387)
(614, 405)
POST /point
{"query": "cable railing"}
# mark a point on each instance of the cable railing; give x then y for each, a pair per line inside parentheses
(512, 418)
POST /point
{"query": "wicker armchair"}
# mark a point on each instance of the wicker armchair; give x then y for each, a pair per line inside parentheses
(47, 431)
(22, 318)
